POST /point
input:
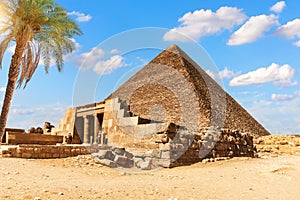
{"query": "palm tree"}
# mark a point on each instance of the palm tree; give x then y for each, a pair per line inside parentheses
(39, 29)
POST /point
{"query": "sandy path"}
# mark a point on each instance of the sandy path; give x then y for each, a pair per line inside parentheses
(71, 178)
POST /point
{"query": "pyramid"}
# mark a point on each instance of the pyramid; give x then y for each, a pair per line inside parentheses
(173, 88)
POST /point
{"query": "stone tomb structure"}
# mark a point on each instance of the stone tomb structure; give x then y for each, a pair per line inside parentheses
(172, 108)
(83, 124)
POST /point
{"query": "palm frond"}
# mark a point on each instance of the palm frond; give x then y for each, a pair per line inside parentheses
(46, 30)
(3, 47)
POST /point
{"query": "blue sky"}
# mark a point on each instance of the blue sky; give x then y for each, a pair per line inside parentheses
(250, 47)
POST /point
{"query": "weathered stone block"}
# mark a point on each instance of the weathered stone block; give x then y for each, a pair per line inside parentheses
(53, 150)
(138, 161)
(36, 150)
(184, 141)
(119, 151)
(84, 151)
(165, 147)
(56, 155)
(164, 162)
(26, 155)
(48, 155)
(146, 165)
(106, 162)
(101, 154)
(165, 154)
(123, 161)
(6, 152)
(120, 160)
(180, 147)
(156, 154)
(128, 155)
(109, 155)
(67, 150)
(42, 155)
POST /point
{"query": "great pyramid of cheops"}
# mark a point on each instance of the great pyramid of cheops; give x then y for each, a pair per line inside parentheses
(173, 88)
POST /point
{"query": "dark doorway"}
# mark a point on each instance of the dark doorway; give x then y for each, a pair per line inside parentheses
(78, 131)
(100, 119)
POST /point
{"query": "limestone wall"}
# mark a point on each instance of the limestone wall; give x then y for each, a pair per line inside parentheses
(185, 148)
(31, 138)
(123, 130)
(50, 151)
(15, 130)
(66, 124)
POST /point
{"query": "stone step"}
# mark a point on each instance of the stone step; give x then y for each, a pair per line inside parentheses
(128, 121)
(112, 105)
(143, 130)
(122, 113)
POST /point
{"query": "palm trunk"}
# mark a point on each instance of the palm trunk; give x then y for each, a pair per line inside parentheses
(14, 70)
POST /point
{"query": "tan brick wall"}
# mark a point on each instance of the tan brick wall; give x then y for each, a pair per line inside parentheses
(28, 138)
(50, 151)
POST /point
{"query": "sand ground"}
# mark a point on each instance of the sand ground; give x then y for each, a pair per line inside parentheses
(79, 178)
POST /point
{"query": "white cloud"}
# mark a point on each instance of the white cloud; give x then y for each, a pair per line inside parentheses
(278, 116)
(227, 73)
(94, 59)
(76, 44)
(253, 29)
(205, 22)
(297, 43)
(114, 51)
(22, 111)
(290, 30)
(107, 66)
(2, 89)
(36, 116)
(278, 7)
(212, 74)
(143, 61)
(281, 97)
(81, 17)
(89, 59)
(297, 92)
(281, 75)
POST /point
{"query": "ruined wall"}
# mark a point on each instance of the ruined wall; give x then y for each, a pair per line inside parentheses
(15, 130)
(123, 130)
(66, 124)
(32, 138)
(185, 148)
(50, 151)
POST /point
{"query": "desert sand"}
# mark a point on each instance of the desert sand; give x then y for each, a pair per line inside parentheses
(275, 175)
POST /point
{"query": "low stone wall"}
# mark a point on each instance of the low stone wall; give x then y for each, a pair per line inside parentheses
(186, 148)
(15, 138)
(15, 130)
(50, 151)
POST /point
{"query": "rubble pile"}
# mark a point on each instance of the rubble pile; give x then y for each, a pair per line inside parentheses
(119, 157)
(184, 148)
(276, 145)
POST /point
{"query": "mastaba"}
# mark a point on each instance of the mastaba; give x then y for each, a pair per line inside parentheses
(173, 88)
